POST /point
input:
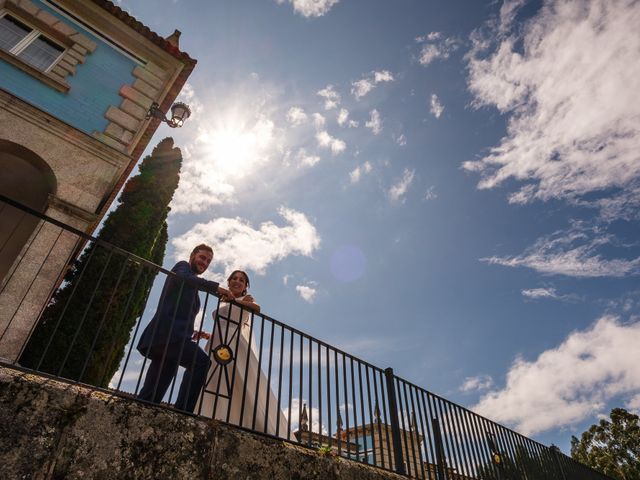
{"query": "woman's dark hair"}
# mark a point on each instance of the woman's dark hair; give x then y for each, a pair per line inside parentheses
(246, 278)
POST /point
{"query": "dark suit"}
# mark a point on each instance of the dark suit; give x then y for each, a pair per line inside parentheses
(167, 339)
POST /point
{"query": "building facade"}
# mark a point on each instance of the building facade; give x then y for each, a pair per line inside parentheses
(77, 78)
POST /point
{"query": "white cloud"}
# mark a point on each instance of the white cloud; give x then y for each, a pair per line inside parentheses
(307, 291)
(383, 76)
(436, 107)
(431, 193)
(310, 8)
(571, 382)
(397, 191)
(331, 97)
(375, 122)
(237, 245)
(363, 86)
(479, 383)
(633, 405)
(343, 118)
(356, 173)
(306, 160)
(433, 46)
(573, 112)
(536, 293)
(575, 252)
(327, 141)
(286, 278)
(318, 120)
(297, 116)
(401, 140)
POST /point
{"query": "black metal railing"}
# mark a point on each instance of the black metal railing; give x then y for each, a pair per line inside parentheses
(261, 374)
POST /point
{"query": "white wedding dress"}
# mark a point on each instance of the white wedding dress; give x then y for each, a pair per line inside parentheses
(239, 378)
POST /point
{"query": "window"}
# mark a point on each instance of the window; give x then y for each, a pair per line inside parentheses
(28, 44)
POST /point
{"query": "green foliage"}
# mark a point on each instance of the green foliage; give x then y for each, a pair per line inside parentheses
(83, 332)
(611, 446)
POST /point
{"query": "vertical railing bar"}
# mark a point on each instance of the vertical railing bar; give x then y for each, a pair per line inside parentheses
(310, 389)
(379, 422)
(371, 415)
(300, 390)
(413, 391)
(319, 391)
(279, 379)
(462, 439)
(268, 386)
(193, 362)
(514, 447)
(422, 418)
(236, 348)
(224, 338)
(338, 418)
(246, 367)
(427, 416)
(291, 335)
(133, 338)
(64, 310)
(447, 457)
(258, 375)
(409, 430)
(355, 402)
(179, 358)
(532, 452)
(328, 372)
(10, 274)
(163, 296)
(487, 432)
(104, 316)
(363, 422)
(113, 343)
(404, 428)
(84, 315)
(346, 400)
(395, 423)
(208, 352)
(442, 469)
(446, 438)
(384, 385)
(473, 441)
(457, 447)
(17, 225)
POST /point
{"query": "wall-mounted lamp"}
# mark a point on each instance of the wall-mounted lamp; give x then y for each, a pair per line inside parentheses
(179, 113)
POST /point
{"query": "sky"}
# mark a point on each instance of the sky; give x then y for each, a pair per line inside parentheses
(449, 188)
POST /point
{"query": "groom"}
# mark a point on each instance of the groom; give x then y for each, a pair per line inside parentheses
(166, 340)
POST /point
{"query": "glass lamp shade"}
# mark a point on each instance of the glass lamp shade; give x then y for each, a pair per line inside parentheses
(179, 113)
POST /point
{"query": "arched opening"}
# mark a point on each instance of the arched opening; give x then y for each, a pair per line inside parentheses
(25, 178)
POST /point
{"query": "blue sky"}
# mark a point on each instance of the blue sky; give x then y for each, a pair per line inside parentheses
(449, 188)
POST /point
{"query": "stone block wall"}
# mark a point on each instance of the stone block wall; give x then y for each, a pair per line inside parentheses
(50, 430)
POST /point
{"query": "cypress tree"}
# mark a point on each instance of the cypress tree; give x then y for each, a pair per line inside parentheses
(83, 332)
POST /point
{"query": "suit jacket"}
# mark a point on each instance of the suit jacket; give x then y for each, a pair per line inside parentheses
(177, 309)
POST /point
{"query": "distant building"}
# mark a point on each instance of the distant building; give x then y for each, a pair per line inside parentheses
(373, 444)
(77, 78)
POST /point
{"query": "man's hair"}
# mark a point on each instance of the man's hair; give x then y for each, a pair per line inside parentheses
(202, 246)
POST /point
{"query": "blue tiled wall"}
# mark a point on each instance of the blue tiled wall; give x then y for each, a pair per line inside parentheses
(94, 87)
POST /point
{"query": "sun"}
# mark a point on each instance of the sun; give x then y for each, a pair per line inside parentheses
(235, 147)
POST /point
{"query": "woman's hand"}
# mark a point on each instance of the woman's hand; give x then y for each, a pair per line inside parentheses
(200, 335)
(249, 299)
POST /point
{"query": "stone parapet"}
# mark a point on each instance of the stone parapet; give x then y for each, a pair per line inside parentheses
(52, 429)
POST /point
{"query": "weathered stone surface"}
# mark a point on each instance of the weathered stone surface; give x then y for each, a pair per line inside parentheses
(122, 118)
(50, 429)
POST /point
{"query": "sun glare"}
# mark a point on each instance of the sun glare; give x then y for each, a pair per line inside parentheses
(236, 148)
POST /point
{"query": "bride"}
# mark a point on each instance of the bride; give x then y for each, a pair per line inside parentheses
(236, 386)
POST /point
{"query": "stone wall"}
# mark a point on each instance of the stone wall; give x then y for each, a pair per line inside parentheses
(53, 430)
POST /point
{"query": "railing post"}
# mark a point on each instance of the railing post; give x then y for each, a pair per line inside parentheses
(395, 423)
(440, 458)
(556, 460)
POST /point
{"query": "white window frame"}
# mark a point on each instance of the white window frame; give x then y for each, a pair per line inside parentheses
(33, 35)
